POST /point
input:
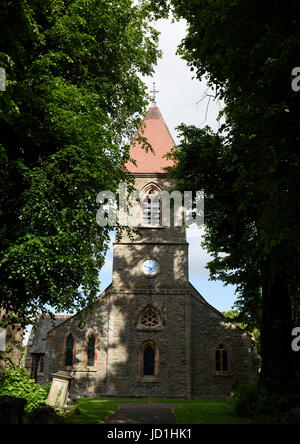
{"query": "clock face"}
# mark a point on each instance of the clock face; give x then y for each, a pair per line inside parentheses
(150, 267)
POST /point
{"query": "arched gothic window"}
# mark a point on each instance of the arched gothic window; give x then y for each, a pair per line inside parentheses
(151, 208)
(69, 350)
(221, 359)
(91, 351)
(149, 361)
(150, 318)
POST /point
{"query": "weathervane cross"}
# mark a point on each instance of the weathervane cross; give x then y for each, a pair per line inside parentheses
(154, 92)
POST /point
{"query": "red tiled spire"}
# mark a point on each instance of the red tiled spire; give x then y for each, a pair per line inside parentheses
(157, 134)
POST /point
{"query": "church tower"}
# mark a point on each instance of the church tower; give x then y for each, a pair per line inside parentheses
(149, 285)
(150, 333)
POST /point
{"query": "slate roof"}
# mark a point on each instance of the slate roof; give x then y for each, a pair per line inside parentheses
(158, 135)
(45, 324)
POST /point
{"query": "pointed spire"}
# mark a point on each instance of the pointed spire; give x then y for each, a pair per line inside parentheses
(155, 130)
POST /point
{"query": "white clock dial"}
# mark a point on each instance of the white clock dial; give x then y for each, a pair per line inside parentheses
(150, 267)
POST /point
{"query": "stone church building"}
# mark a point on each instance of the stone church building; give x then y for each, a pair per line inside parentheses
(150, 333)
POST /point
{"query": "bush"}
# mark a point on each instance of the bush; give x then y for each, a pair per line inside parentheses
(46, 414)
(11, 409)
(16, 382)
(251, 400)
(244, 401)
(47, 387)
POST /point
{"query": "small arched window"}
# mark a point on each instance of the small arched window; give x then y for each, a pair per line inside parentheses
(69, 350)
(151, 208)
(221, 359)
(148, 361)
(91, 351)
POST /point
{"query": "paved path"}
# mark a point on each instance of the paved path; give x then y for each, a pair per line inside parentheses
(143, 413)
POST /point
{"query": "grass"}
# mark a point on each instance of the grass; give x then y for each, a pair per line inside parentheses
(96, 411)
(145, 400)
(206, 412)
(91, 411)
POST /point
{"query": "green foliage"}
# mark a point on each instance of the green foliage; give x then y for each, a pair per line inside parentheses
(252, 400)
(249, 170)
(91, 411)
(73, 100)
(47, 386)
(245, 401)
(206, 412)
(233, 316)
(16, 382)
(46, 414)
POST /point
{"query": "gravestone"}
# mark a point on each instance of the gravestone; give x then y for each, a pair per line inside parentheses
(59, 390)
(2, 79)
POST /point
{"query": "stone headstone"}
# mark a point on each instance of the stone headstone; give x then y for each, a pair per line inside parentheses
(58, 394)
(2, 79)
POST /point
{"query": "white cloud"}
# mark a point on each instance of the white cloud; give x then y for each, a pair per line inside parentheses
(198, 257)
(178, 91)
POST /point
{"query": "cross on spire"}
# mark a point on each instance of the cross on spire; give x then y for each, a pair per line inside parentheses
(154, 92)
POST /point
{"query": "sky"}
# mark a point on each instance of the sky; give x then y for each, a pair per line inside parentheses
(181, 100)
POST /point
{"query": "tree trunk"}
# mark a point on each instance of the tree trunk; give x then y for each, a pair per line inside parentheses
(277, 362)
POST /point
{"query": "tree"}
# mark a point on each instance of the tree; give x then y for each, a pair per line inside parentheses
(234, 317)
(72, 102)
(249, 171)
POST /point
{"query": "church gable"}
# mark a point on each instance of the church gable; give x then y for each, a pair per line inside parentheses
(222, 354)
(79, 343)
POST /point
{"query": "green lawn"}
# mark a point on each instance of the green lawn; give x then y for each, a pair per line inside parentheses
(206, 412)
(91, 411)
(96, 411)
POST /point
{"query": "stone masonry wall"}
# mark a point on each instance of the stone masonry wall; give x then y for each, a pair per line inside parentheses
(184, 341)
(208, 331)
(87, 381)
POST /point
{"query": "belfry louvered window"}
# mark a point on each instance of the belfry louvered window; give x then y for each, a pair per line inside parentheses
(152, 208)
